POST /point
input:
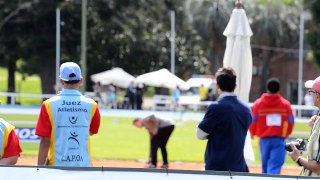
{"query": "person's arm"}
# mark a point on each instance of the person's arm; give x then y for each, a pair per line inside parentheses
(43, 150)
(95, 122)
(207, 124)
(290, 120)
(296, 155)
(201, 134)
(12, 160)
(253, 125)
(313, 120)
(12, 150)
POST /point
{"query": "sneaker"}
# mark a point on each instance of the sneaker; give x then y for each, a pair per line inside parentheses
(150, 165)
(165, 166)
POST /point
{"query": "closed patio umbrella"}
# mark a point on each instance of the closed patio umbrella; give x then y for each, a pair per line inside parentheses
(238, 51)
(239, 57)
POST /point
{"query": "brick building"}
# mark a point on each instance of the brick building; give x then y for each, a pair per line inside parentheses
(286, 70)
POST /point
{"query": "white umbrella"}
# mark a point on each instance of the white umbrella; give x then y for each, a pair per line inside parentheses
(239, 57)
(238, 51)
(162, 78)
(115, 76)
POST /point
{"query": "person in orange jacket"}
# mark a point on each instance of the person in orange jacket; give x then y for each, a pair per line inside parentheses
(273, 122)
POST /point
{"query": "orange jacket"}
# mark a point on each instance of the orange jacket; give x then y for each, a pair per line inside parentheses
(272, 117)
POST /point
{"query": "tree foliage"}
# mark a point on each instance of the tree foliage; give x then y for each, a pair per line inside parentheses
(134, 35)
(274, 24)
(313, 36)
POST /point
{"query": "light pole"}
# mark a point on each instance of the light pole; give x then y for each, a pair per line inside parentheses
(301, 40)
(173, 40)
(170, 6)
(83, 61)
(57, 45)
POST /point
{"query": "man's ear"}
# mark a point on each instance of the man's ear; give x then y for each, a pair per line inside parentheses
(81, 81)
(217, 85)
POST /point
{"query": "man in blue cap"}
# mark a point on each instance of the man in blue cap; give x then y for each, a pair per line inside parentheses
(66, 121)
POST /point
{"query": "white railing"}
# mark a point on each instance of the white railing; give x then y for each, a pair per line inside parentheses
(163, 102)
(29, 95)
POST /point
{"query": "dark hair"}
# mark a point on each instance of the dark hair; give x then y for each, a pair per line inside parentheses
(135, 120)
(273, 85)
(72, 82)
(226, 79)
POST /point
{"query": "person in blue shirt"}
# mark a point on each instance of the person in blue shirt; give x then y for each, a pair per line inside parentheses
(225, 126)
(176, 97)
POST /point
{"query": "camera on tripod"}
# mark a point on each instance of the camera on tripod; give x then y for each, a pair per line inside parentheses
(299, 143)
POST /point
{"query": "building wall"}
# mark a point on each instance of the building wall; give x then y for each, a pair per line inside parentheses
(286, 70)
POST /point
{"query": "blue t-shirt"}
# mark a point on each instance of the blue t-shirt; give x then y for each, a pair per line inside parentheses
(227, 122)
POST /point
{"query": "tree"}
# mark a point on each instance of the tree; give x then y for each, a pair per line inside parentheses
(133, 35)
(274, 23)
(210, 19)
(10, 51)
(313, 37)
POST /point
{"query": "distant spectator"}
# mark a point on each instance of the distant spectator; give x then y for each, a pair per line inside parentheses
(308, 101)
(97, 89)
(211, 96)
(112, 97)
(139, 96)
(131, 94)
(176, 97)
(203, 91)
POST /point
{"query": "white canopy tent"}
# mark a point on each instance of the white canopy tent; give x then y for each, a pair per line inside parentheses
(115, 76)
(197, 82)
(162, 78)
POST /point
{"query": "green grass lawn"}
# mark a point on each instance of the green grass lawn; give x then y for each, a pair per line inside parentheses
(118, 139)
(30, 84)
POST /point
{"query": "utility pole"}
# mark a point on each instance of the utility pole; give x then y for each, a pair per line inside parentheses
(83, 61)
(57, 45)
(173, 40)
(301, 41)
(170, 6)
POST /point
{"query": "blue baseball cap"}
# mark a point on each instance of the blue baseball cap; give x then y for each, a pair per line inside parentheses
(70, 71)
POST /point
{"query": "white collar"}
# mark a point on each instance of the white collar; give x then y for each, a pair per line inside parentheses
(224, 94)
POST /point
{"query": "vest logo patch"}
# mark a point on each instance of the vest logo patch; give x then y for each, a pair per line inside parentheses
(73, 137)
(71, 158)
(73, 120)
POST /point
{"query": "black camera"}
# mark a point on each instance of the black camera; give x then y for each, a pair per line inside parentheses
(299, 143)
